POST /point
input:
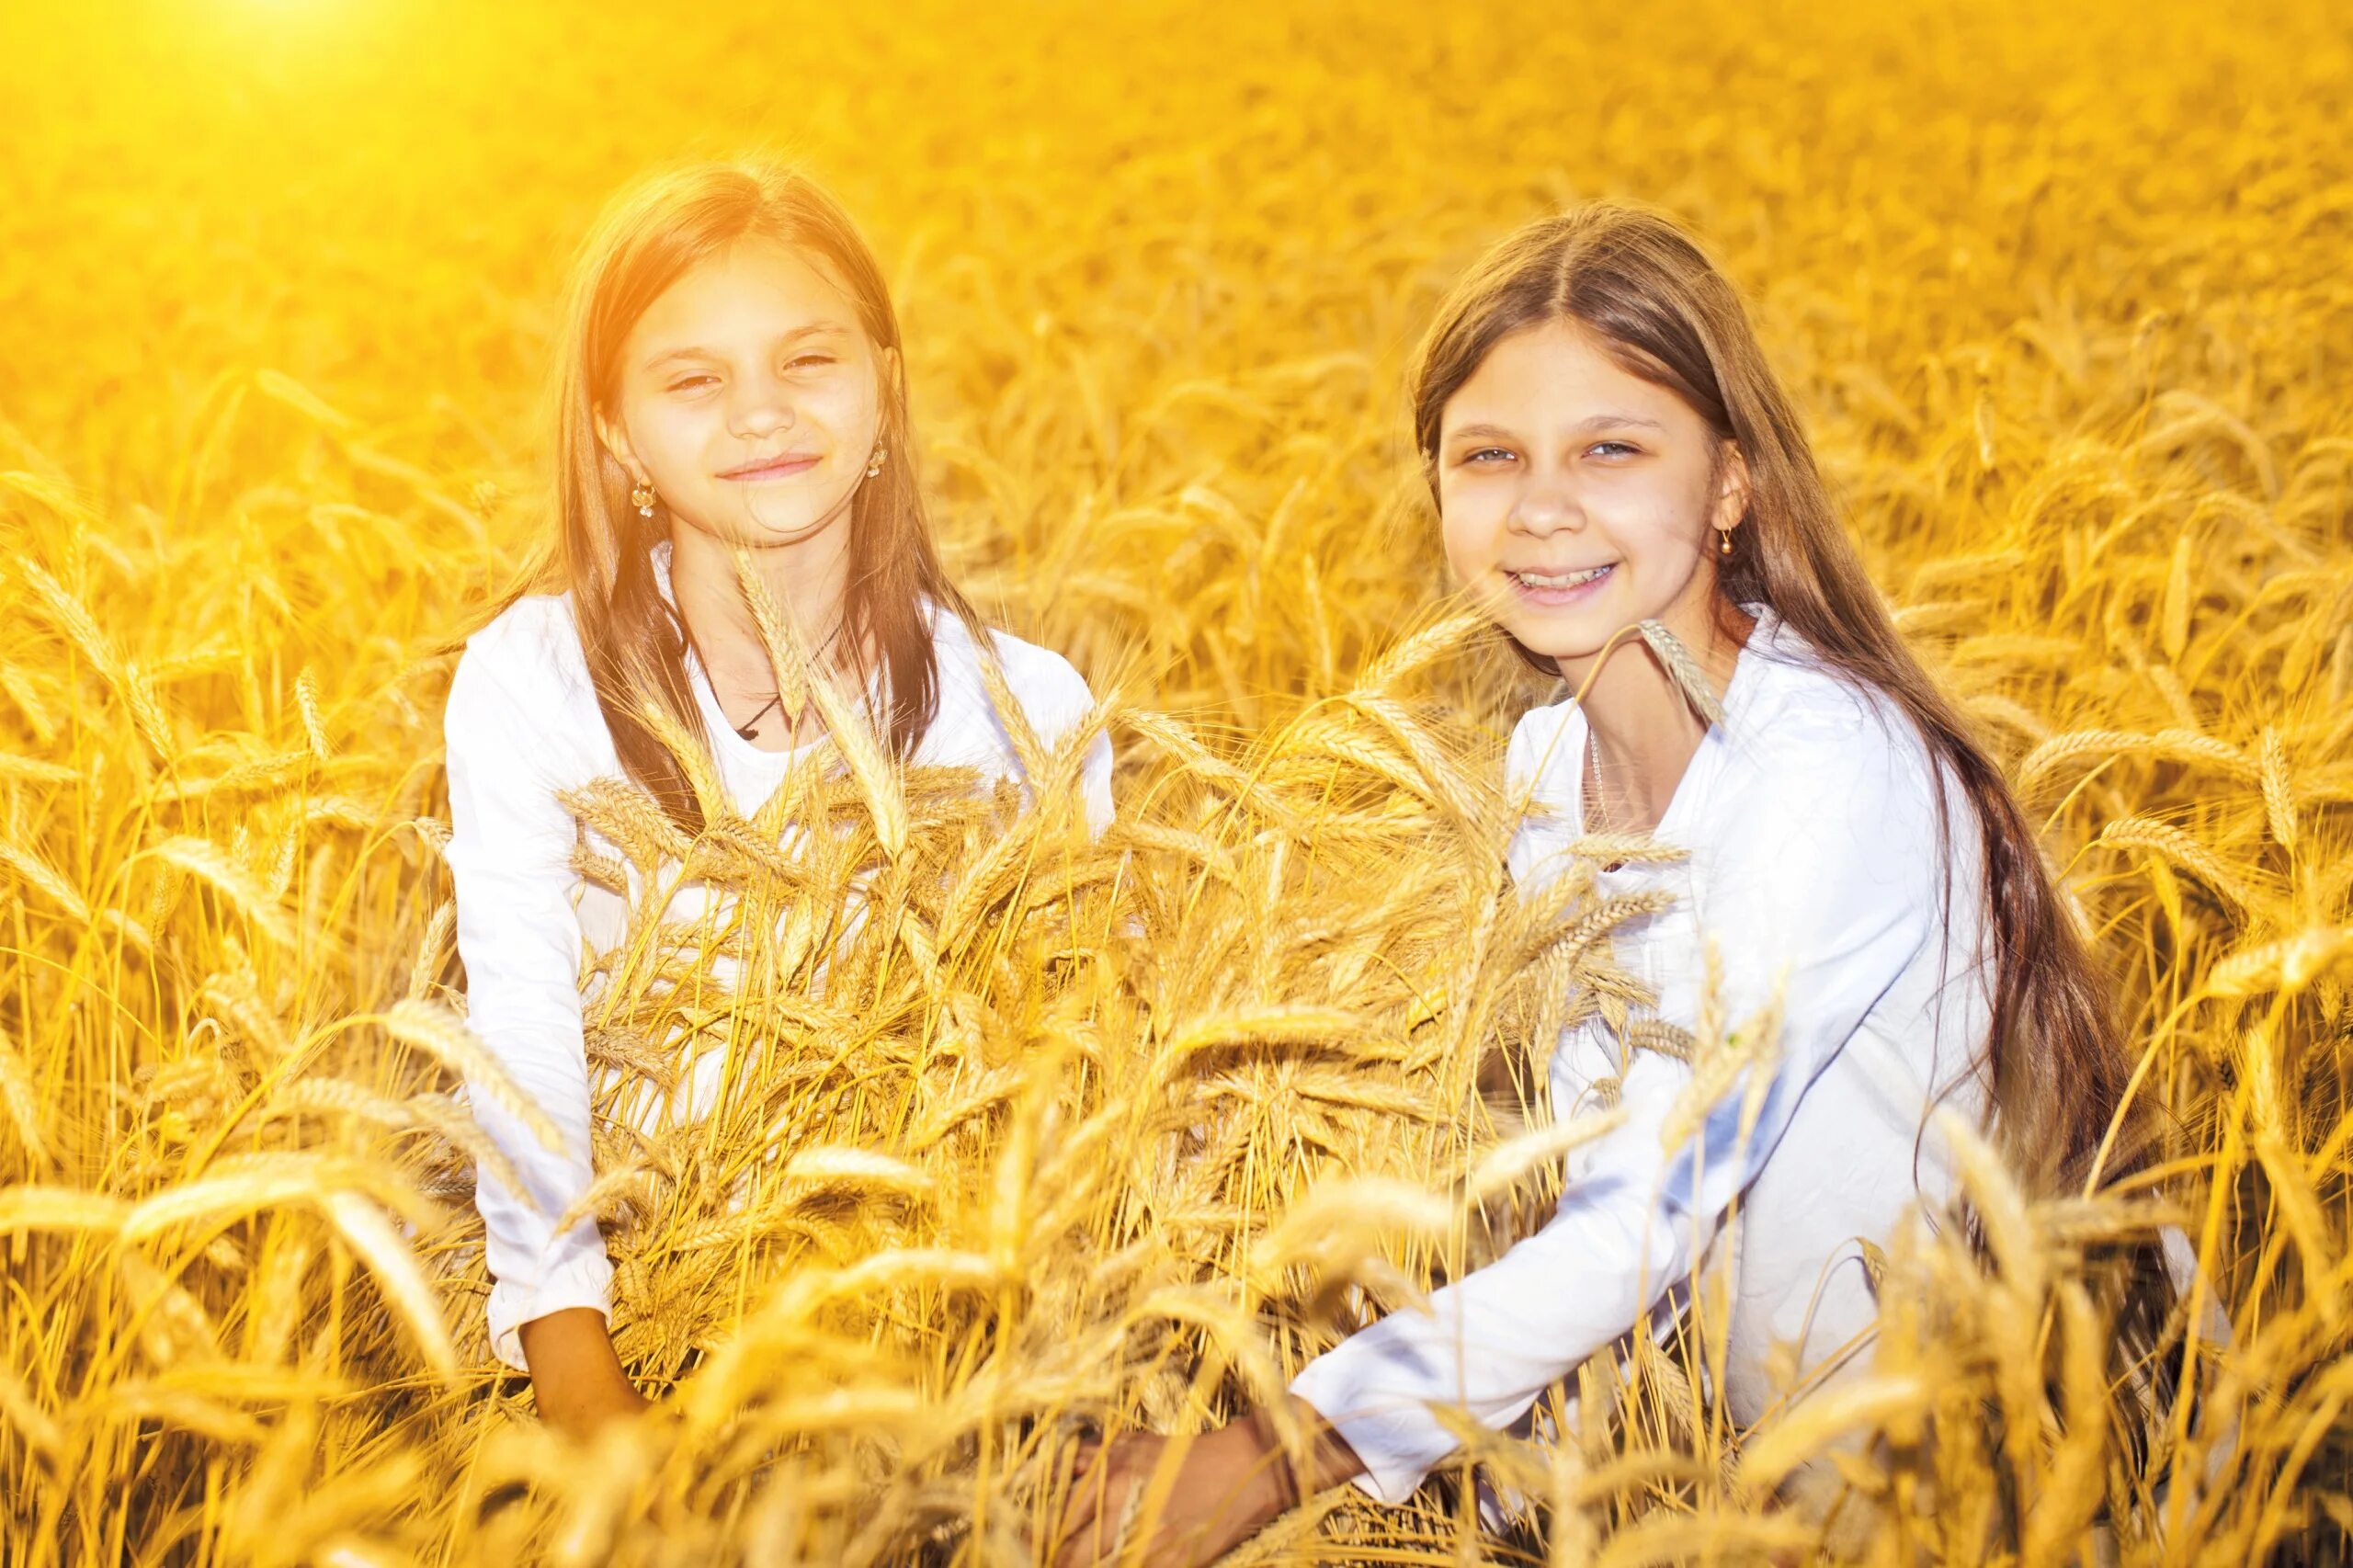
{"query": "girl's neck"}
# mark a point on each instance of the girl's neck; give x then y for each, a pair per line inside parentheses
(807, 581)
(1645, 731)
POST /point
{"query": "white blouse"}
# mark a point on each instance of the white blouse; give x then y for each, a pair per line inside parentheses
(522, 727)
(1816, 874)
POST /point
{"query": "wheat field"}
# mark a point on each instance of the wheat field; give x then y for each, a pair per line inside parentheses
(1120, 1130)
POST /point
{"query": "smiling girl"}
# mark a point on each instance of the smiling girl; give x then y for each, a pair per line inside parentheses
(1860, 902)
(729, 379)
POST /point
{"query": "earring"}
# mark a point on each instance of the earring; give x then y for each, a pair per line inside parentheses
(1724, 541)
(642, 496)
(874, 467)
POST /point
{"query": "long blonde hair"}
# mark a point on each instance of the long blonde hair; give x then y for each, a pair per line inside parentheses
(603, 550)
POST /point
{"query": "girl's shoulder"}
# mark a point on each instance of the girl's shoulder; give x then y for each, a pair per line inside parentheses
(531, 649)
(1799, 716)
(1051, 691)
(521, 689)
(1827, 769)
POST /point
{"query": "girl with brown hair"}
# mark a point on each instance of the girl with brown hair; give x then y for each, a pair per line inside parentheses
(1861, 912)
(730, 386)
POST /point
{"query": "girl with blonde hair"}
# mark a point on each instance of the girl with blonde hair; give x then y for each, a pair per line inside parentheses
(731, 384)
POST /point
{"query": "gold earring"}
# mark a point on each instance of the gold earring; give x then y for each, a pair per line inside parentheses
(874, 467)
(642, 496)
(1724, 541)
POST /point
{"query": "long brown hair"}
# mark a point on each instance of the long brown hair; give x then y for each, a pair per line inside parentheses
(603, 550)
(1645, 291)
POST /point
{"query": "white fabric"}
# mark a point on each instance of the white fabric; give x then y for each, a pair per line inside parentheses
(522, 726)
(1816, 871)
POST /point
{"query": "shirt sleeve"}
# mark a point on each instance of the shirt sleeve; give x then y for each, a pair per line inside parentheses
(1818, 893)
(519, 932)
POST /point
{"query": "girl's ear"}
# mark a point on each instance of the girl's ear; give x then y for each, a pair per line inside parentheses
(1731, 490)
(615, 440)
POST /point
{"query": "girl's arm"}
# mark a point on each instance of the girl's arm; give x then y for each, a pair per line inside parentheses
(1817, 897)
(576, 1377)
(519, 935)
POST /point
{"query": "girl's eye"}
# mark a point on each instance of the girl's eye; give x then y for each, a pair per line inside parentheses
(688, 383)
(808, 361)
(1613, 449)
(1486, 454)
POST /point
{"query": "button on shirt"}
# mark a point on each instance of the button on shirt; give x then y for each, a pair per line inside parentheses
(1816, 875)
(522, 727)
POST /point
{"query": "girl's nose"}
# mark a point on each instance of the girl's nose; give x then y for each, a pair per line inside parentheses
(1543, 507)
(760, 408)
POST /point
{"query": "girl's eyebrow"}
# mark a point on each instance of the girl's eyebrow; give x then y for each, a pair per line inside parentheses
(1597, 421)
(695, 351)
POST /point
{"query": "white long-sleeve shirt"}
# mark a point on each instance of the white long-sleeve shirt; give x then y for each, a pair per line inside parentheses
(522, 727)
(1816, 874)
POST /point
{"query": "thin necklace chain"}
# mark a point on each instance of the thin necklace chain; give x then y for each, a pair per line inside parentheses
(1596, 815)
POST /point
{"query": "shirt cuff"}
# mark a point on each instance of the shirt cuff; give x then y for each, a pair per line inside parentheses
(583, 1279)
(1394, 1435)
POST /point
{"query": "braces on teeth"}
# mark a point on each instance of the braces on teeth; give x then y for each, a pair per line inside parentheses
(1564, 580)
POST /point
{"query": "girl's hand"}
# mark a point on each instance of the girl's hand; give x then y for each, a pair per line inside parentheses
(576, 1376)
(1188, 1501)
(1184, 1500)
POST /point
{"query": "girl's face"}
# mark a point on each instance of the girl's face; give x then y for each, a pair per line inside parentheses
(1578, 499)
(749, 397)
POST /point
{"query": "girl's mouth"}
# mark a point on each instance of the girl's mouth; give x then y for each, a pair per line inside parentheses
(1554, 589)
(774, 468)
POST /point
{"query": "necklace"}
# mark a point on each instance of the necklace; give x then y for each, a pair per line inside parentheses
(749, 728)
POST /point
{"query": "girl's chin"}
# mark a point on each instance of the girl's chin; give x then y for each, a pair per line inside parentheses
(1566, 655)
(766, 528)
(1564, 642)
(1560, 636)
